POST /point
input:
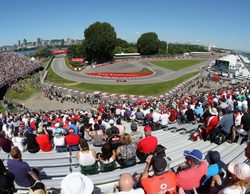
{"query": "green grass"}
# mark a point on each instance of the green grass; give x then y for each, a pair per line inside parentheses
(145, 70)
(2, 109)
(54, 78)
(147, 89)
(177, 65)
(28, 89)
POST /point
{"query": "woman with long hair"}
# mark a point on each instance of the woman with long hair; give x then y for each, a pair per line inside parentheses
(238, 183)
(126, 153)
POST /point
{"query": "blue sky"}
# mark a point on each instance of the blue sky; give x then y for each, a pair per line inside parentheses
(224, 23)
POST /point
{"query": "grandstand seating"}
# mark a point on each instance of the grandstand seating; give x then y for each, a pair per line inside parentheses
(54, 166)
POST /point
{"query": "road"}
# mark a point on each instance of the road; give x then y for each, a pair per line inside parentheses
(160, 74)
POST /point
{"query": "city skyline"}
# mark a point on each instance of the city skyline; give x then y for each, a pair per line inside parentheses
(221, 23)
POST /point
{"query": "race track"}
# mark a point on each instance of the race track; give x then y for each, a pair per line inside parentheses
(159, 75)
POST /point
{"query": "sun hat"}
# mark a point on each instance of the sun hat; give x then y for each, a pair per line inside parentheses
(213, 111)
(240, 170)
(194, 155)
(159, 164)
(76, 183)
(147, 129)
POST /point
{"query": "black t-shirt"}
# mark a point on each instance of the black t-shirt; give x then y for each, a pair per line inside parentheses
(190, 115)
(245, 121)
(6, 182)
(32, 145)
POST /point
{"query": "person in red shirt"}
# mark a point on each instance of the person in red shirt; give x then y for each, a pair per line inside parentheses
(191, 174)
(161, 181)
(43, 140)
(146, 145)
(173, 115)
(72, 140)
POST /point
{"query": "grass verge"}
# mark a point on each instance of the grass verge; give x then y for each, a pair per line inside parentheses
(177, 65)
(27, 89)
(54, 78)
(147, 89)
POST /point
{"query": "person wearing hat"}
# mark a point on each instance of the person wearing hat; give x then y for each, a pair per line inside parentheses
(161, 181)
(146, 145)
(190, 174)
(125, 185)
(135, 134)
(213, 180)
(211, 120)
(112, 130)
(76, 183)
(238, 183)
(73, 125)
(224, 125)
(59, 141)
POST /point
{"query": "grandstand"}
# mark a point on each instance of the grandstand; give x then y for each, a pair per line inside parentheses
(127, 55)
(54, 166)
(14, 67)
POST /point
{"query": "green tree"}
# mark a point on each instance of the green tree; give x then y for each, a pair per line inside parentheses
(43, 52)
(162, 47)
(122, 43)
(148, 43)
(76, 51)
(100, 40)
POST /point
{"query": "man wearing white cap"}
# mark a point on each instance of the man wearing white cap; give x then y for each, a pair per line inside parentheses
(76, 183)
(240, 174)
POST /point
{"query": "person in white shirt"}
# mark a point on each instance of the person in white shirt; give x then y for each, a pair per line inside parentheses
(164, 118)
(18, 141)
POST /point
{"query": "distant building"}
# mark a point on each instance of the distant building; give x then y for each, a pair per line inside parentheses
(24, 42)
(38, 42)
(19, 43)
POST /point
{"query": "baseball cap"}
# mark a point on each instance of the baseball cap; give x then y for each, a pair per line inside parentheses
(75, 183)
(240, 170)
(133, 126)
(159, 164)
(213, 111)
(71, 130)
(195, 155)
(147, 129)
(213, 157)
(111, 122)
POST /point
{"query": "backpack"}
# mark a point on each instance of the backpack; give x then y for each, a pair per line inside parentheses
(220, 138)
(196, 135)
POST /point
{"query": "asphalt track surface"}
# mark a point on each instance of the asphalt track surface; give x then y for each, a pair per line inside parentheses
(160, 74)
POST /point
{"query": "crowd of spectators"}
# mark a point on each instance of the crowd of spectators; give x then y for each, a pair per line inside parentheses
(14, 67)
(223, 111)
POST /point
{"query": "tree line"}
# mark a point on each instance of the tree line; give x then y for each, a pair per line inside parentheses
(100, 43)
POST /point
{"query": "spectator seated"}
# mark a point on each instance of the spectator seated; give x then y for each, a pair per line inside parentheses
(90, 169)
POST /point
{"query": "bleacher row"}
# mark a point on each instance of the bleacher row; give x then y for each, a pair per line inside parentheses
(54, 166)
